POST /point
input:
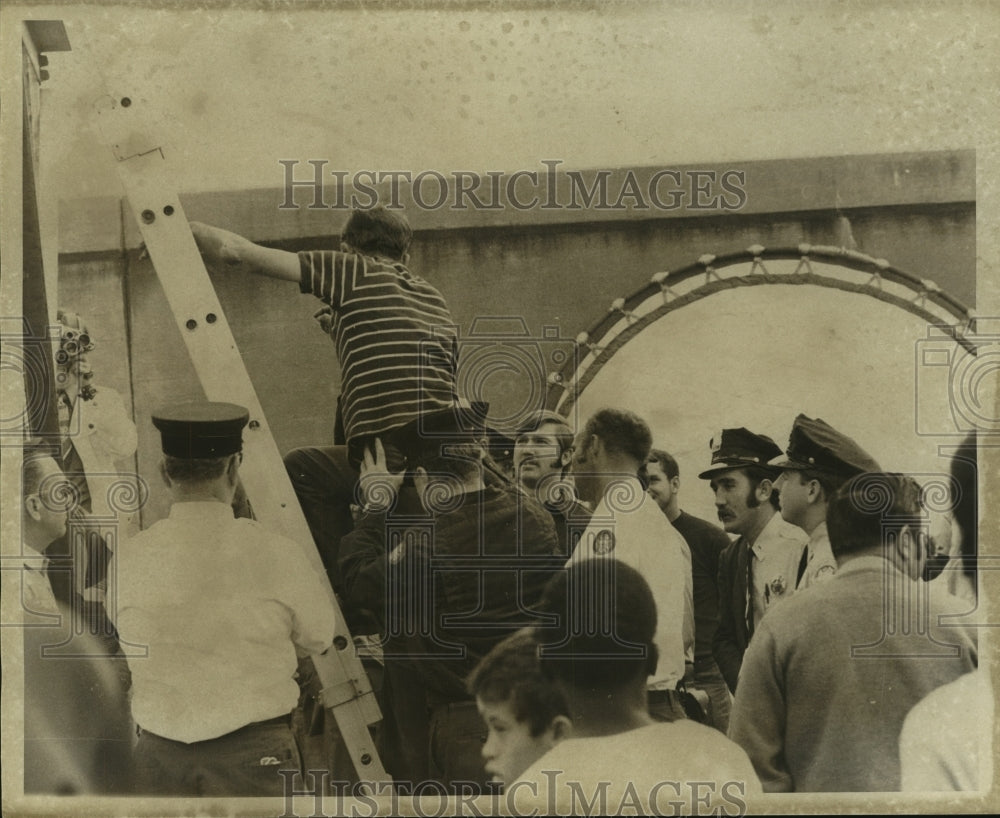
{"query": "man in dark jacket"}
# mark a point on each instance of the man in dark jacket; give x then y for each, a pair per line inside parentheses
(444, 588)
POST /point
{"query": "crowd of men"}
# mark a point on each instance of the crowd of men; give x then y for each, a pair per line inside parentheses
(556, 628)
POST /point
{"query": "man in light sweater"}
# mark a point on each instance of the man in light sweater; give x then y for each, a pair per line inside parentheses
(832, 672)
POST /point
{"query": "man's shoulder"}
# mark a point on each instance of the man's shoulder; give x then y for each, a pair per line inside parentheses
(506, 508)
(149, 534)
(781, 532)
(645, 516)
(695, 528)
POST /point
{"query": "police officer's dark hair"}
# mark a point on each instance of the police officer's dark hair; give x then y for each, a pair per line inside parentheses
(378, 231)
(605, 620)
(870, 509)
(194, 469)
(511, 673)
(757, 475)
(828, 481)
(622, 432)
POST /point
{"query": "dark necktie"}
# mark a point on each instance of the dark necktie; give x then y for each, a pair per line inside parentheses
(748, 612)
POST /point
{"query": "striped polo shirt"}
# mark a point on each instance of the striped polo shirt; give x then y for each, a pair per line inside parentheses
(395, 339)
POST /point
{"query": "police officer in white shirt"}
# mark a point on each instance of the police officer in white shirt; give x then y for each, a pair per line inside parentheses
(222, 605)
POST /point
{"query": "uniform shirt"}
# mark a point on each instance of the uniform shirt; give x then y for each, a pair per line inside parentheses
(639, 535)
(830, 675)
(652, 770)
(220, 604)
(820, 565)
(395, 339)
(776, 554)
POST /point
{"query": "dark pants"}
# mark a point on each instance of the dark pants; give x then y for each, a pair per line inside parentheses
(325, 486)
(458, 734)
(665, 705)
(325, 481)
(405, 728)
(708, 677)
(242, 763)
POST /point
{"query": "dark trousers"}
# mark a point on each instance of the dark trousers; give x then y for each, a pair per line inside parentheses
(325, 481)
(665, 705)
(708, 678)
(325, 486)
(242, 763)
(457, 736)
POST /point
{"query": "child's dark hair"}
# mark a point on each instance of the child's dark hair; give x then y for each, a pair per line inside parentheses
(378, 232)
(511, 673)
(604, 619)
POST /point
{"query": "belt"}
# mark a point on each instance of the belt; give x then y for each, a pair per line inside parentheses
(285, 720)
(657, 696)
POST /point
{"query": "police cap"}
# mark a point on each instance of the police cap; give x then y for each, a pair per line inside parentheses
(201, 429)
(740, 448)
(815, 444)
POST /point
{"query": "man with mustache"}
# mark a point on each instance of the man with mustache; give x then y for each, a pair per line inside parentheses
(543, 451)
(761, 566)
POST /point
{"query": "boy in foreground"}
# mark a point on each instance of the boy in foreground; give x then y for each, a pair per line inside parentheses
(525, 713)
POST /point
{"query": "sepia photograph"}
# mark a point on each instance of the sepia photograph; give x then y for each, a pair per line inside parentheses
(512, 407)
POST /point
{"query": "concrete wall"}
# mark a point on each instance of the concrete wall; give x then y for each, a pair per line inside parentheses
(917, 212)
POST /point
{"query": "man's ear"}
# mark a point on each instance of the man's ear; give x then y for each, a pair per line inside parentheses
(233, 467)
(764, 489)
(33, 505)
(815, 492)
(675, 483)
(566, 457)
(405, 258)
(561, 728)
(346, 248)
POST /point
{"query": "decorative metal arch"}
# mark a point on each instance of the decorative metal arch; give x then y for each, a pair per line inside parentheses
(834, 267)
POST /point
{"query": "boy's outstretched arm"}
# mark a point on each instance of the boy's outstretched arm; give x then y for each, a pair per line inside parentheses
(218, 246)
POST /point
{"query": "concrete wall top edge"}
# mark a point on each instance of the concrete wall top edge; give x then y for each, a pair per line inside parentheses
(560, 197)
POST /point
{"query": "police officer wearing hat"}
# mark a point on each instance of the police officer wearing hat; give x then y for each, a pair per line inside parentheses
(760, 567)
(222, 605)
(818, 461)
